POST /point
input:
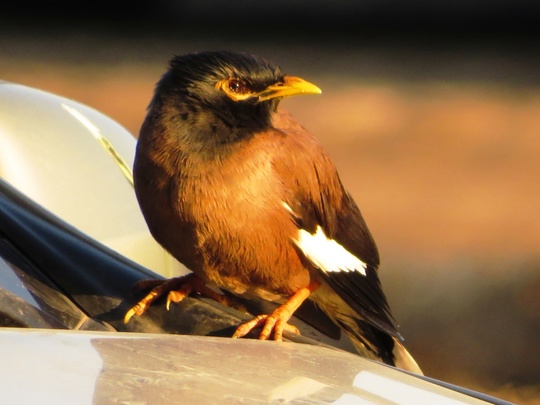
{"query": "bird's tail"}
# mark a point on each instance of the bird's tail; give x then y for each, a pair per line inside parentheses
(403, 359)
(374, 340)
(383, 348)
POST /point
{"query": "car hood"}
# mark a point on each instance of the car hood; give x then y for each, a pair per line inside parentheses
(96, 367)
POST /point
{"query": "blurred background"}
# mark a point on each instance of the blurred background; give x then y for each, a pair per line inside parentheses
(431, 111)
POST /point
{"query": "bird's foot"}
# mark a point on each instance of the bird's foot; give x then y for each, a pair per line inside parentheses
(177, 289)
(274, 324)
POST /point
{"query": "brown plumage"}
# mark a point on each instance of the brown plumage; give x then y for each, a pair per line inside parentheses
(247, 199)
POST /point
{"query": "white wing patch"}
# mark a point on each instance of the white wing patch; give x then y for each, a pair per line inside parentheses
(327, 254)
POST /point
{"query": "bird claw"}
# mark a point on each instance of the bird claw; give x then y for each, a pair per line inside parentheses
(178, 288)
(273, 325)
(140, 307)
(175, 296)
(247, 327)
(132, 311)
(276, 322)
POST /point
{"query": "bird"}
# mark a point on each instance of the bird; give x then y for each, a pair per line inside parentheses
(252, 204)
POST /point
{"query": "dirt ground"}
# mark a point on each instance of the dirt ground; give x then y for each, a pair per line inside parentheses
(445, 167)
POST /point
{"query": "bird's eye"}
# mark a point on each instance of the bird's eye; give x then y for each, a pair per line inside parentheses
(237, 86)
(235, 89)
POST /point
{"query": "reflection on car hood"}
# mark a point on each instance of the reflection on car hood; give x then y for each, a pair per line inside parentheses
(94, 367)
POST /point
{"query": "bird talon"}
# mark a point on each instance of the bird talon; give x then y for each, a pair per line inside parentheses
(247, 327)
(178, 288)
(273, 325)
(139, 308)
(128, 315)
(175, 296)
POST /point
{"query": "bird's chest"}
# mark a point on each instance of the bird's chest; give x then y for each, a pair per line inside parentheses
(230, 199)
(242, 230)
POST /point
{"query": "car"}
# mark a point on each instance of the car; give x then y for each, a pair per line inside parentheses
(72, 245)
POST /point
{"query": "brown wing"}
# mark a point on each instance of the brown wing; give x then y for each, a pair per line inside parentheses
(317, 197)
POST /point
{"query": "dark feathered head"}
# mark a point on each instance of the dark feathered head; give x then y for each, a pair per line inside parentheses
(224, 96)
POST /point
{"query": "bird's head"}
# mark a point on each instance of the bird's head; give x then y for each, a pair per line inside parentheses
(222, 96)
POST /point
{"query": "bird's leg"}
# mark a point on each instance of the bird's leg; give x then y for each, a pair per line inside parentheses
(178, 288)
(277, 320)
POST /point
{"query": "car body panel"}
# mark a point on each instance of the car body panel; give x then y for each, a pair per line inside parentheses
(146, 368)
(61, 153)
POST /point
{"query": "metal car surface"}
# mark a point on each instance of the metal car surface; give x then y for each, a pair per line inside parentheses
(91, 367)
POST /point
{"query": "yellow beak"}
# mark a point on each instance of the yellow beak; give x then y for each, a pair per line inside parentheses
(291, 86)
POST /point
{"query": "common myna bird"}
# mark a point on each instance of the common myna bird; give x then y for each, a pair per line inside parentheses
(246, 198)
